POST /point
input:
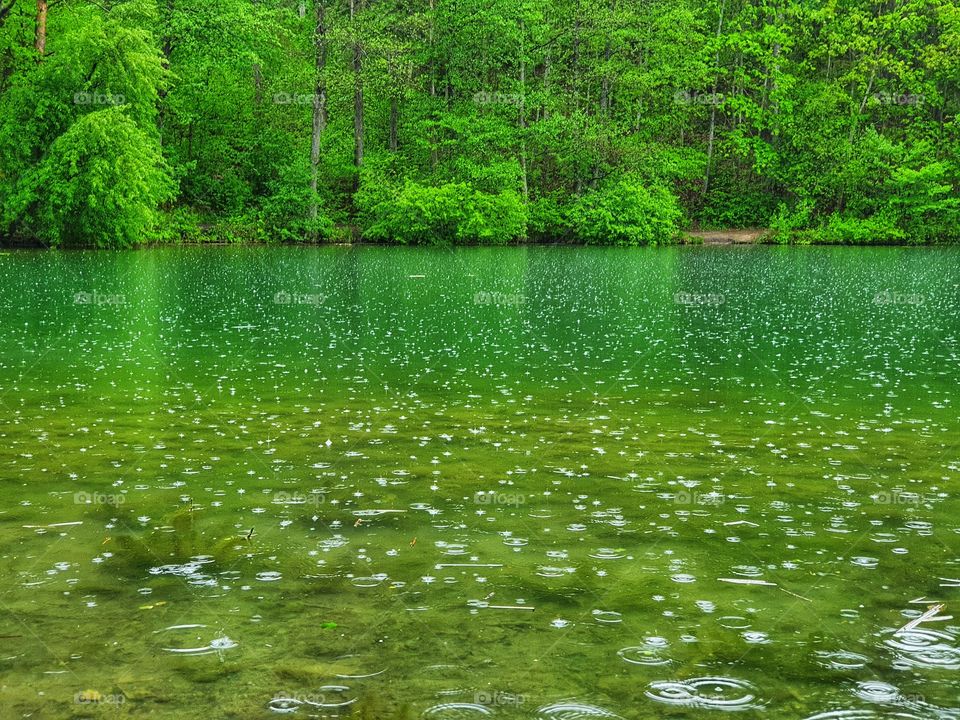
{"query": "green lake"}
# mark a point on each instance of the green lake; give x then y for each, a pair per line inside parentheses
(544, 483)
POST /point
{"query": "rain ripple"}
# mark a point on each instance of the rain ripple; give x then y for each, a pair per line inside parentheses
(864, 714)
(652, 652)
(876, 691)
(922, 648)
(456, 711)
(573, 711)
(842, 660)
(705, 693)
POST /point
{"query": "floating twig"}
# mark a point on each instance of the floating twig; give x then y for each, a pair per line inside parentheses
(930, 615)
(510, 607)
(762, 583)
(790, 592)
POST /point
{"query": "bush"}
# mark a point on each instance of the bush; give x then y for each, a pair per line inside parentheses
(100, 184)
(626, 213)
(845, 230)
(180, 225)
(923, 203)
(549, 217)
(788, 221)
(450, 213)
(285, 214)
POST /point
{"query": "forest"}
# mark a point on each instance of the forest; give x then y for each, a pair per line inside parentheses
(621, 122)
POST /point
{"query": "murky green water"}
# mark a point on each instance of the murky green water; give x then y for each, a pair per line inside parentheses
(518, 483)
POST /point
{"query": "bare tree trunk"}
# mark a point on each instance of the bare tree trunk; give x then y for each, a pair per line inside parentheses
(523, 112)
(357, 67)
(319, 107)
(604, 92)
(167, 49)
(546, 83)
(167, 39)
(394, 120)
(434, 154)
(605, 83)
(397, 82)
(713, 109)
(578, 180)
(775, 140)
(41, 39)
(576, 57)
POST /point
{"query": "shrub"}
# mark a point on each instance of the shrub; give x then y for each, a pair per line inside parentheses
(788, 221)
(923, 203)
(846, 230)
(549, 217)
(450, 213)
(626, 213)
(285, 215)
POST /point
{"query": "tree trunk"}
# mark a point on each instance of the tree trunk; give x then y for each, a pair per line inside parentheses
(168, 30)
(357, 67)
(578, 178)
(523, 113)
(394, 120)
(41, 39)
(167, 48)
(434, 154)
(319, 107)
(546, 84)
(713, 109)
(604, 91)
(396, 80)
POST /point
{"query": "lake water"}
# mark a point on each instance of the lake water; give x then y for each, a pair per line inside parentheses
(543, 483)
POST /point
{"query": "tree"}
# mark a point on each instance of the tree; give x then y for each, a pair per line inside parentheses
(834, 121)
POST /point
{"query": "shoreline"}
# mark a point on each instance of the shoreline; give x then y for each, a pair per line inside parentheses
(724, 237)
(717, 239)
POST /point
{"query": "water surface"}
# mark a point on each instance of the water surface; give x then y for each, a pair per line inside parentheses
(539, 483)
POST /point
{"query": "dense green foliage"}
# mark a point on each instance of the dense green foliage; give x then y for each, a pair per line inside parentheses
(434, 121)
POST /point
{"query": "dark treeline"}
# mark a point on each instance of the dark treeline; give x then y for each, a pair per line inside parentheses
(599, 121)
